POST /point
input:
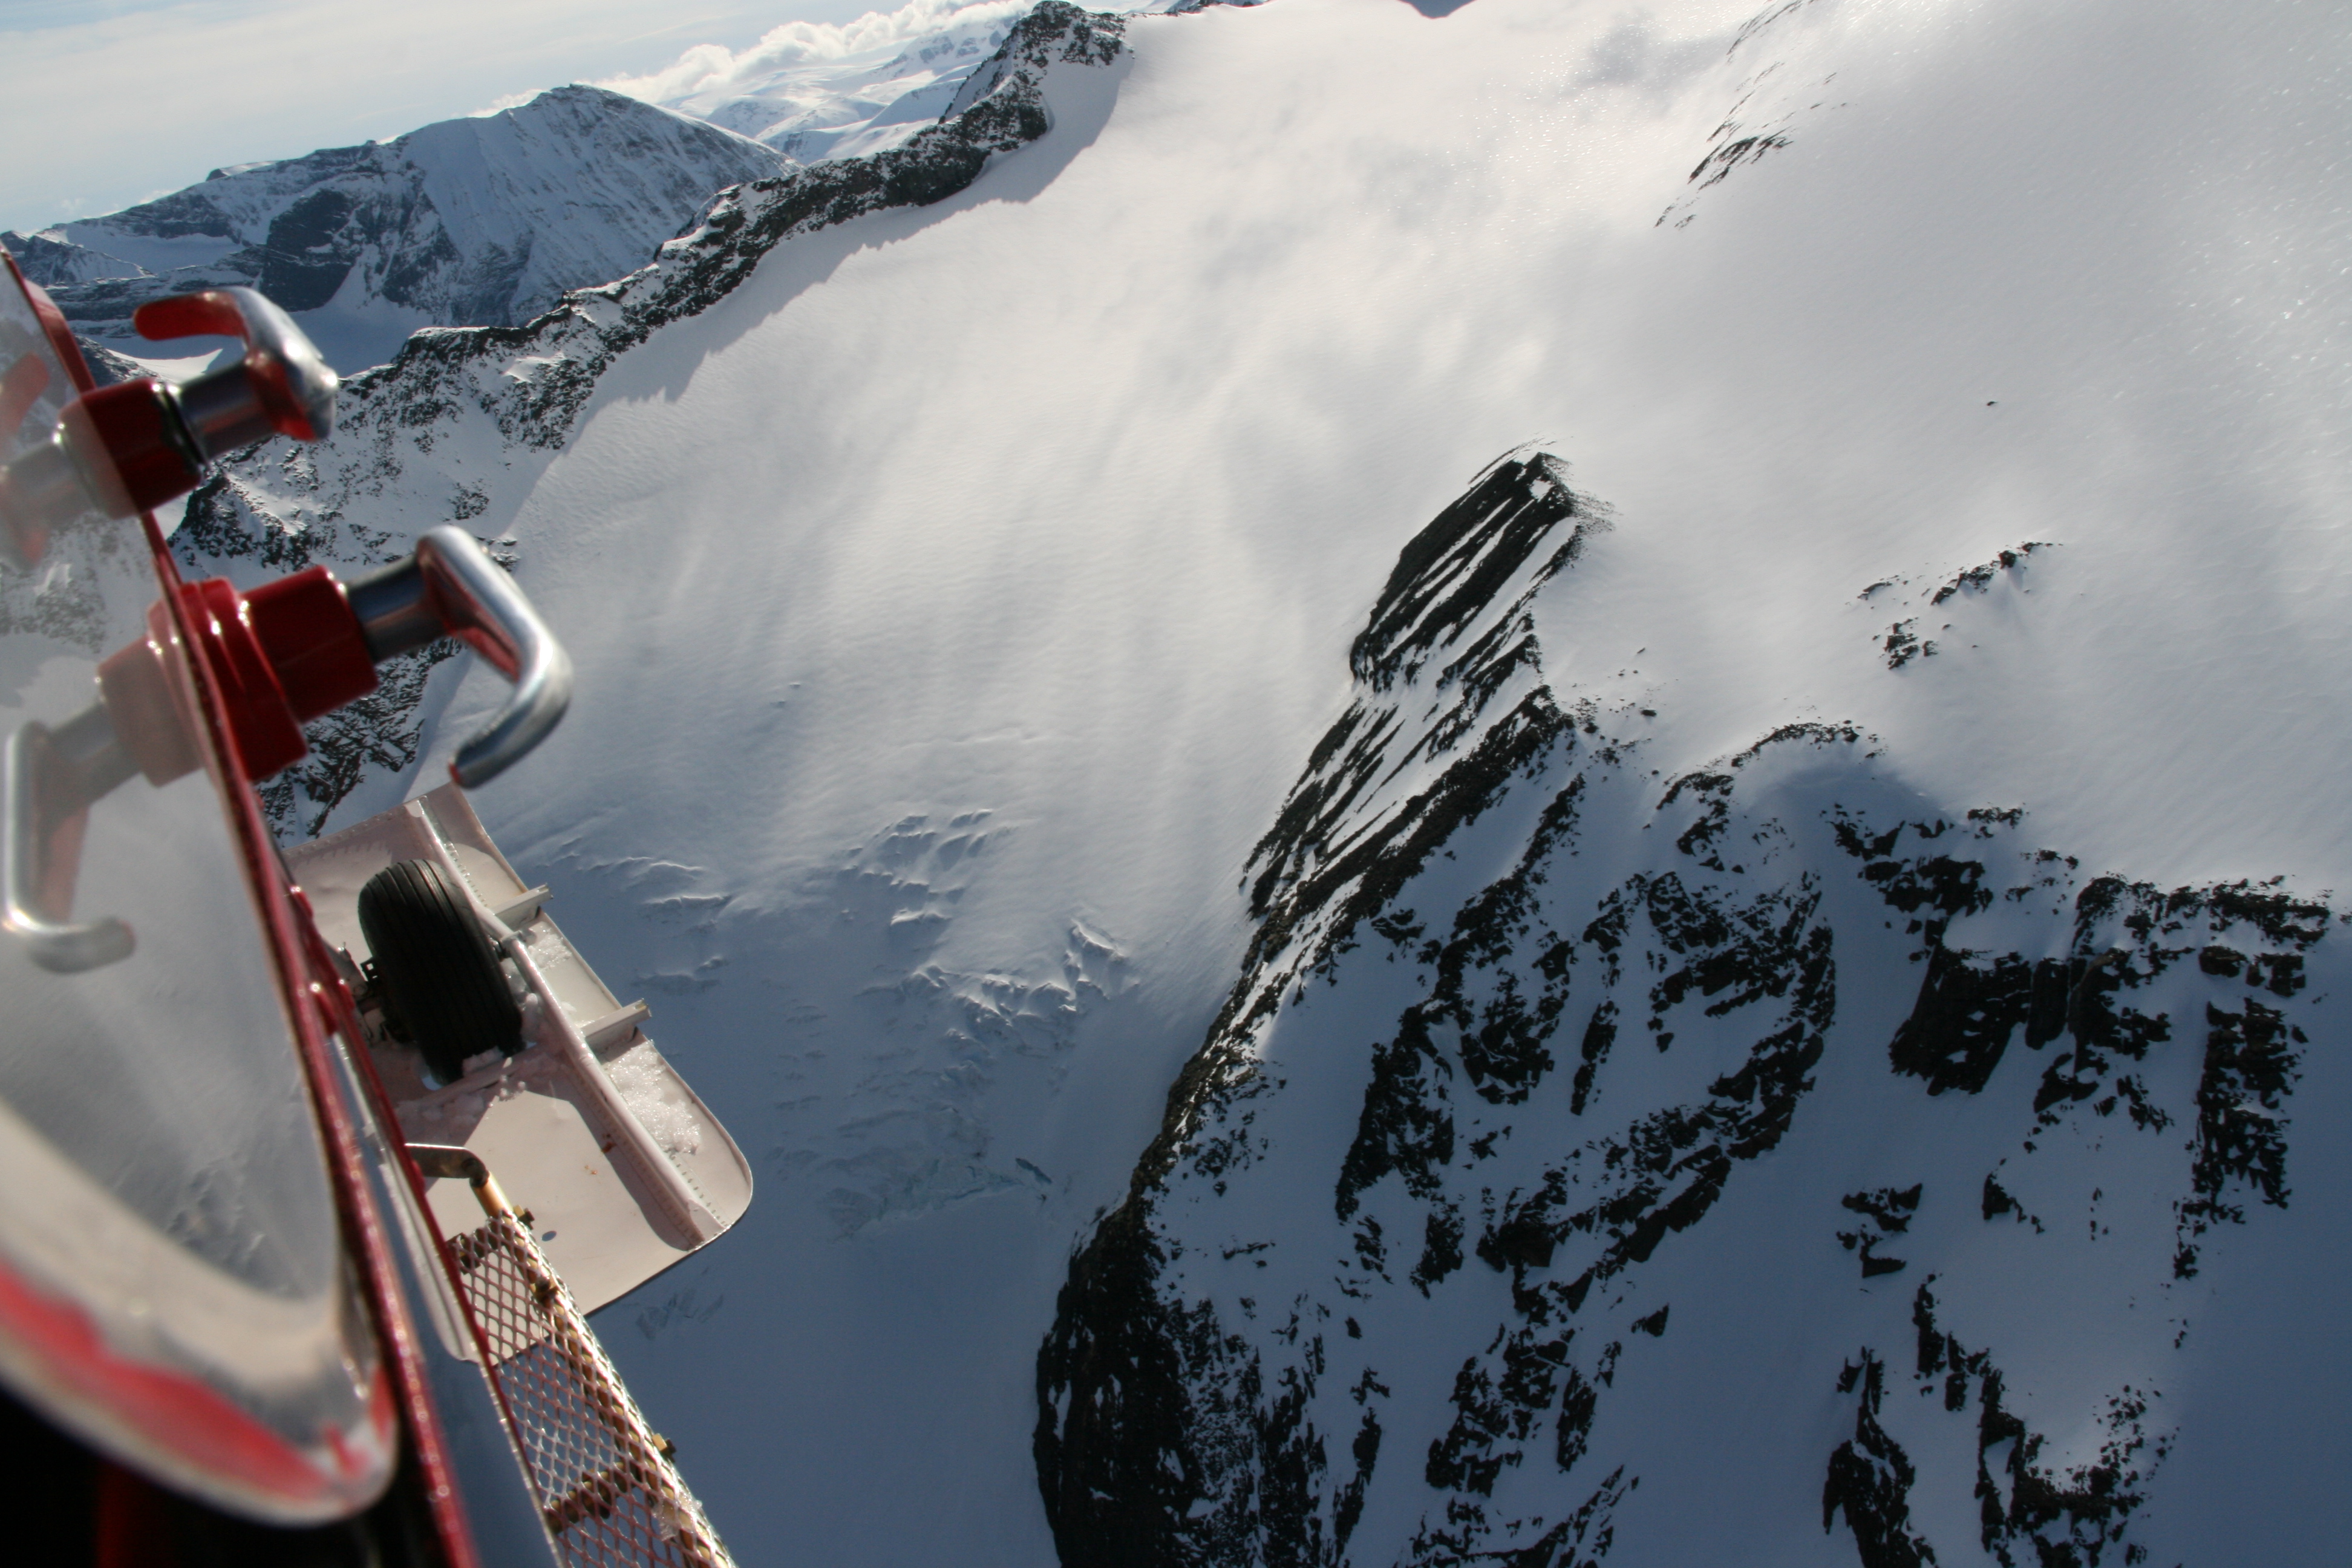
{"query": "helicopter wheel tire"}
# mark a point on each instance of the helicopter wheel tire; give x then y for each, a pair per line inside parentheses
(439, 976)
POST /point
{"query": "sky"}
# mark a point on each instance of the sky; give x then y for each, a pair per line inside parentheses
(104, 103)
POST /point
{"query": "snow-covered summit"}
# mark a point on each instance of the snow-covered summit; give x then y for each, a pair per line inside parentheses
(816, 90)
(479, 221)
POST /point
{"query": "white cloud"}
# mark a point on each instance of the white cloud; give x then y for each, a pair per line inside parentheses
(712, 69)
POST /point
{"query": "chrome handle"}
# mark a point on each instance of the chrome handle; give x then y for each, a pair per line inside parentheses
(436, 1160)
(50, 779)
(449, 587)
(132, 446)
(280, 387)
(49, 782)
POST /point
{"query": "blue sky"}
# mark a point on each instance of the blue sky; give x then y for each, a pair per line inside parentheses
(108, 103)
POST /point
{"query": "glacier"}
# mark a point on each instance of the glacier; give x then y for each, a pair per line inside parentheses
(1086, 618)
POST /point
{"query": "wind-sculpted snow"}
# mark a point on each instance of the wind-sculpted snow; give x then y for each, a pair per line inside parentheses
(461, 422)
(1556, 1035)
(942, 1038)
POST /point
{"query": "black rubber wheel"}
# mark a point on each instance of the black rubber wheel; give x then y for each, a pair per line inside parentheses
(439, 976)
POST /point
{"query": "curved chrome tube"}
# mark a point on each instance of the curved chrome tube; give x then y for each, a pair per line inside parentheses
(126, 448)
(279, 386)
(448, 587)
(41, 847)
(451, 588)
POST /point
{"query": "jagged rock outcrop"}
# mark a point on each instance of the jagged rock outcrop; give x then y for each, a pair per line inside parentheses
(1531, 1039)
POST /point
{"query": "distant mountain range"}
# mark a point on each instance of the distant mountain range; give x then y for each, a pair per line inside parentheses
(486, 221)
(817, 105)
(479, 222)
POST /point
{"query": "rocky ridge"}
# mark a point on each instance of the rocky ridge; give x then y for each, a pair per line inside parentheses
(461, 421)
(1538, 1019)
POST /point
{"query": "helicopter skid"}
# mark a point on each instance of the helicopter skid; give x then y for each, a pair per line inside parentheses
(620, 1166)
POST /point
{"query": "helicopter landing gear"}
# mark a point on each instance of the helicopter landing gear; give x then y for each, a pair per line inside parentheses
(440, 976)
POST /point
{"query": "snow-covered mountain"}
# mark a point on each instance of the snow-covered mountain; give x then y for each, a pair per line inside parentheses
(1754, 980)
(458, 418)
(1569, 1115)
(482, 221)
(815, 92)
(487, 221)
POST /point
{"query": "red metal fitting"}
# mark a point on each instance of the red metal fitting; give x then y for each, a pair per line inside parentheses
(145, 694)
(313, 640)
(280, 384)
(131, 446)
(283, 655)
(263, 726)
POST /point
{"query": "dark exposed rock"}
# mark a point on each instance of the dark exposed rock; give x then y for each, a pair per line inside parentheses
(1977, 579)
(1966, 1016)
(1903, 642)
(1441, 1250)
(1870, 1479)
(1313, 895)
(1717, 166)
(2029, 1512)
(1116, 1404)
(1884, 1213)
(2250, 1066)
(1998, 1200)
(1448, 575)
(1519, 876)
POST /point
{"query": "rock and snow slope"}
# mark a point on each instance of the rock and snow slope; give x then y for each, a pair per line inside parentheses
(960, 591)
(1571, 1115)
(462, 422)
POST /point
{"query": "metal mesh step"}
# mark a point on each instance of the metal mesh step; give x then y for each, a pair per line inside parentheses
(603, 1479)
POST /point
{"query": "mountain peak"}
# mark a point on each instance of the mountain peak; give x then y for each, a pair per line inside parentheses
(482, 220)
